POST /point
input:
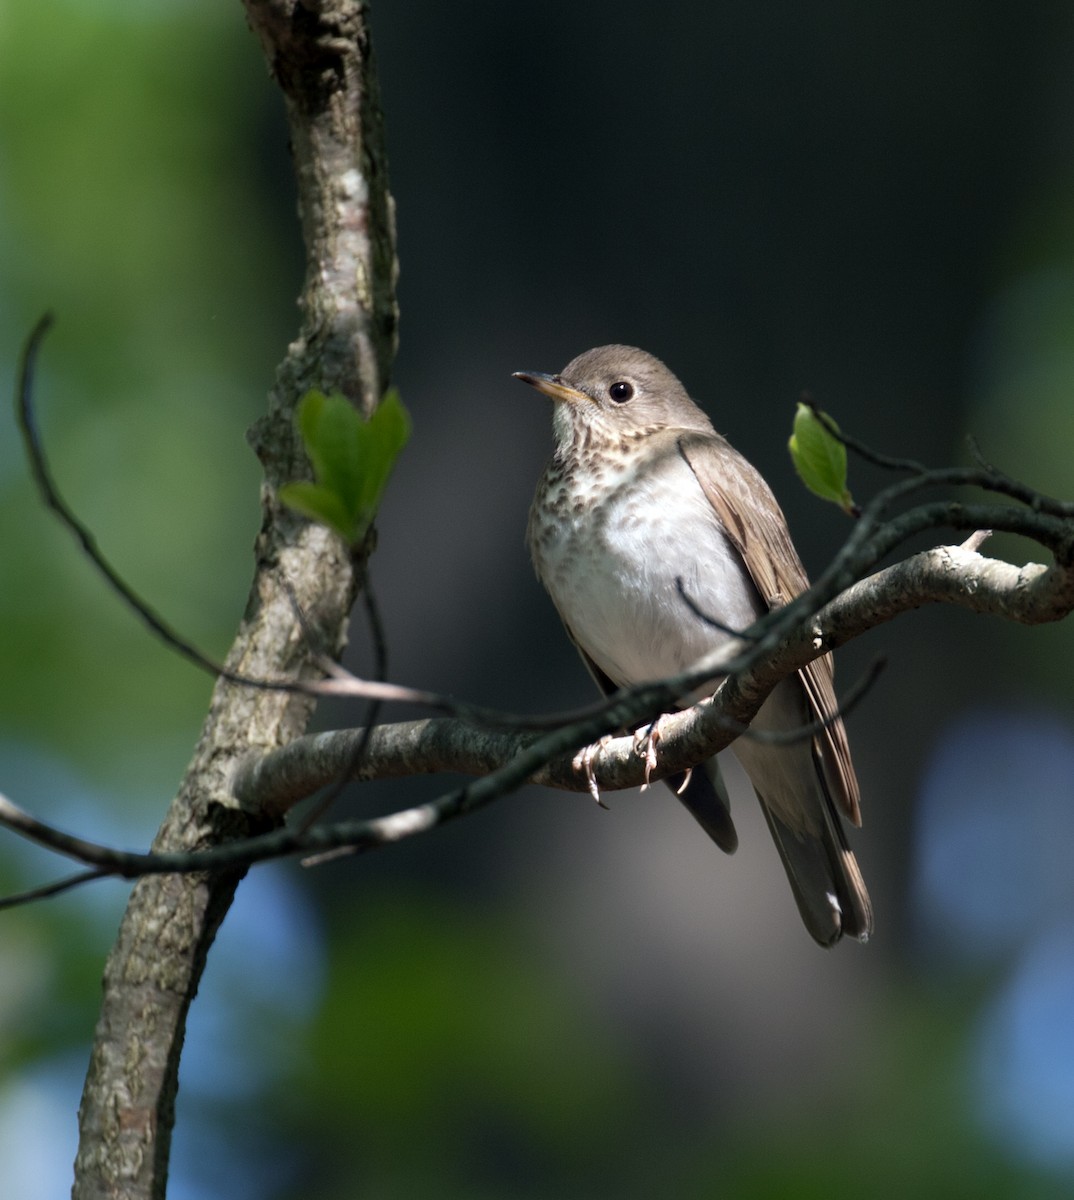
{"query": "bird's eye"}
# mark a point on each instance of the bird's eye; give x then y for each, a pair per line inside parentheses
(621, 392)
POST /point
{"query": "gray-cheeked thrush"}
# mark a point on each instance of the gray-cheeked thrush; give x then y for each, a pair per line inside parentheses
(641, 492)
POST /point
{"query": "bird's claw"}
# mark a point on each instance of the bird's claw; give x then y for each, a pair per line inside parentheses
(645, 741)
(583, 761)
(687, 775)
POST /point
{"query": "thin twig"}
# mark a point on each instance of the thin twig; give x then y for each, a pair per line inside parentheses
(1037, 501)
(887, 461)
(380, 668)
(53, 889)
(50, 493)
(801, 733)
(976, 540)
(708, 618)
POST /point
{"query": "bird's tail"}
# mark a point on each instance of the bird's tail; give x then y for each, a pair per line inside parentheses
(796, 794)
(824, 876)
(704, 794)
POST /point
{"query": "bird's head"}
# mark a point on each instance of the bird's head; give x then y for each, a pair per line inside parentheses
(615, 394)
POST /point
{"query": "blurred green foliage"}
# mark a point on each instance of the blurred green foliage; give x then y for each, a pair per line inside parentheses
(138, 142)
(134, 207)
(447, 1053)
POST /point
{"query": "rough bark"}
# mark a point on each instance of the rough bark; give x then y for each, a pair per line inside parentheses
(320, 56)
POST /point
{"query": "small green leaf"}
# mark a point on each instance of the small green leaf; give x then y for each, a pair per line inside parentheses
(820, 458)
(319, 504)
(385, 435)
(352, 459)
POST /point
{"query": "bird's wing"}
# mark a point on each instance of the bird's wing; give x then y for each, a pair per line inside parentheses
(754, 522)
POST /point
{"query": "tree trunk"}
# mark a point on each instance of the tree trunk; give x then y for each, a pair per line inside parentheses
(320, 55)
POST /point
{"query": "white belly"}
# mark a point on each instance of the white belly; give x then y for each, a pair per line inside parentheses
(611, 570)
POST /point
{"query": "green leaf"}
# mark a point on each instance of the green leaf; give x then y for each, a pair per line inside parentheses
(820, 458)
(352, 459)
(386, 433)
(319, 504)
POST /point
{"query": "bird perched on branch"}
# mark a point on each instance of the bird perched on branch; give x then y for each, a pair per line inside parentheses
(642, 502)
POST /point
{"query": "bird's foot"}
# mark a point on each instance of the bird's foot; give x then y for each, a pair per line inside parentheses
(645, 743)
(583, 761)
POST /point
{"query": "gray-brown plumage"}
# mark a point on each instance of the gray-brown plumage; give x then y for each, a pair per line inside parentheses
(640, 493)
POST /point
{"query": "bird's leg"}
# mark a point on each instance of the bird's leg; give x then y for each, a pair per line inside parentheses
(645, 742)
(583, 761)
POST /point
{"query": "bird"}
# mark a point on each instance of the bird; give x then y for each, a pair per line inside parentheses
(655, 539)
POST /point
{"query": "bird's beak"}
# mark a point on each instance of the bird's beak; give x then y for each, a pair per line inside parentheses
(552, 386)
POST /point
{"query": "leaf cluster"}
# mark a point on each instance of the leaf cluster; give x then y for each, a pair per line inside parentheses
(352, 458)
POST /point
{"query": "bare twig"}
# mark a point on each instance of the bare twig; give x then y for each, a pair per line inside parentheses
(46, 891)
(850, 700)
(380, 668)
(707, 618)
(50, 493)
(887, 461)
(53, 499)
(976, 539)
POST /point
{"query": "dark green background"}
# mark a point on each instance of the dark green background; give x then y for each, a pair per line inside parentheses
(873, 202)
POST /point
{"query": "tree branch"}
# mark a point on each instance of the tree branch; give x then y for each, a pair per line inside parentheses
(1033, 594)
(270, 784)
